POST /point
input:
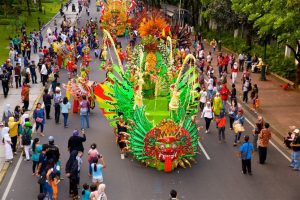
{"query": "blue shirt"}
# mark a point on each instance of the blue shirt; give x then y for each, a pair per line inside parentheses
(65, 107)
(246, 149)
(97, 174)
(86, 195)
(35, 154)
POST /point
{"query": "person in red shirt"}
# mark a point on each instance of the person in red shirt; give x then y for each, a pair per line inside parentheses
(226, 62)
(45, 50)
(224, 95)
(221, 123)
(220, 64)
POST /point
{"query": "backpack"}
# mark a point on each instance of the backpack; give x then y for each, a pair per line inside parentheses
(26, 139)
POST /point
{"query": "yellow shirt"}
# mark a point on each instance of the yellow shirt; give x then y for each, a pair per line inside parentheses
(13, 127)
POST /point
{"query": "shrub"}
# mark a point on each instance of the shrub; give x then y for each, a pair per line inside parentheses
(5, 21)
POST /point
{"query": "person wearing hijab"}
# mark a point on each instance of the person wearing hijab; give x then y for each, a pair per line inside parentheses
(208, 116)
(6, 114)
(13, 132)
(7, 144)
(75, 141)
(73, 174)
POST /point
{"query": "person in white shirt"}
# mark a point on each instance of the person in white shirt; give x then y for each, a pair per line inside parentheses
(44, 73)
(208, 115)
(210, 87)
(209, 58)
(246, 87)
(203, 98)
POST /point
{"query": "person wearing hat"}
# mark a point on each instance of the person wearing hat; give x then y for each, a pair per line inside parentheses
(26, 139)
(295, 161)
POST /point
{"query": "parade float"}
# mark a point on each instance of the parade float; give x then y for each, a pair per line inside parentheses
(157, 97)
(115, 15)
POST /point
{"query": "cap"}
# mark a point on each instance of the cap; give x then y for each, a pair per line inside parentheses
(27, 124)
(50, 138)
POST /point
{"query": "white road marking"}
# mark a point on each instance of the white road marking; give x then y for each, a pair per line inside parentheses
(203, 150)
(13, 176)
(274, 145)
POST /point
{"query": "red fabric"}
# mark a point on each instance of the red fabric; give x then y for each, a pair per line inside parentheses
(224, 93)
(75, 106)
(59, 61)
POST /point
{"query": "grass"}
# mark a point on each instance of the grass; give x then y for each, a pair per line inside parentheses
(50, 8)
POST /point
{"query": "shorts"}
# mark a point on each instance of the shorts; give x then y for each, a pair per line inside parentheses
(97, 180)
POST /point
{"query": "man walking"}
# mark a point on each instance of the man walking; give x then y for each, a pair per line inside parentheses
(246, 153)
(264, 137)
(295, 163)
(5, 82)
(32, 67)
(47, 101)
(18, 75)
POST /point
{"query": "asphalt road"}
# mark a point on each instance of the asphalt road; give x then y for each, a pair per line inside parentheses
(214, 179)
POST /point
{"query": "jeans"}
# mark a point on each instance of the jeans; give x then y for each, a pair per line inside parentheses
(295, 160)
(66, 115)
(33, 77)
(246, 166)
(207, 123)
(38, 125)
(84, 118)
(237, 137)
(222, 133)
(57, 112)
(48, 189)
(26, 105)
(209, 94)
(224, 104)
(27, 149)
(262, 152)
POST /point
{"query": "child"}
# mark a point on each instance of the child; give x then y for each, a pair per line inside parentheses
(93, 192)
(92, 155)
(54, 180)
(86, 192)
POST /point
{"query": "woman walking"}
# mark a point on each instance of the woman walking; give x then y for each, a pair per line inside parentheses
(208, 116)
(7, 144)
(97, 168)
(221, 123)
(13, 132)
(6, 114)
(239, 119)
(233, 111)
(84, 112)
(72, 173)
(39, 117)
(93, 154)
(65, 109)
(36, 150)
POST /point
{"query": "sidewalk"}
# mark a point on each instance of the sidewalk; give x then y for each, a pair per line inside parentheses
(36, 90)
(280, 108)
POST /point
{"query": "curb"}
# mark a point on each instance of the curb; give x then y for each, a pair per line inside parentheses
(4, 171)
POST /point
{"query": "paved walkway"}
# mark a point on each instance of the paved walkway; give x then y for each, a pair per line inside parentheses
(14, 96)
(278, 107)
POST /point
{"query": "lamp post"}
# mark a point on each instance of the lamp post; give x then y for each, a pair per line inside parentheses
(179, 14)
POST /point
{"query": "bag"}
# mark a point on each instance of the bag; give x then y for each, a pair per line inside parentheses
(26, 139)
(238, 127)
(41, 180)
(39, 120)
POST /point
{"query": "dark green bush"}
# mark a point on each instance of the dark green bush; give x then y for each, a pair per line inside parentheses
(5, 21)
